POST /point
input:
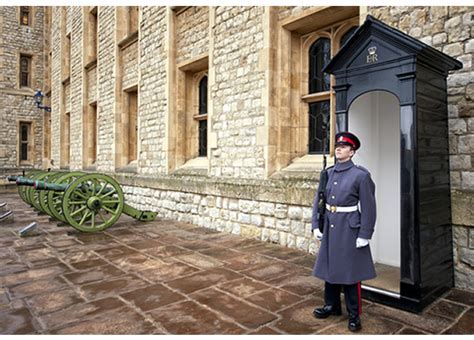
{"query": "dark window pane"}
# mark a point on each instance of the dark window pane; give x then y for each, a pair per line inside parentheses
(203, 96)
(24, 79)
(348, 35)
(24, 64)
(318, 127)
(203, 138)
(319, 57)
(24, 133)
(24, 71)
(24, 152)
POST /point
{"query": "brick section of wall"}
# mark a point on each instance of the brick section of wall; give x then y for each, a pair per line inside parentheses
(192, 33)
(450, 30)
(152, 158)
(237, 92)
(106, 89)
(76, 88)
(18, 104)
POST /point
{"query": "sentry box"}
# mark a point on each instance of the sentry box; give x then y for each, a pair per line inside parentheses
(391, 92)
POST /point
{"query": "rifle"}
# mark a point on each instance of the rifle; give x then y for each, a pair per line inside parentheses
(323, 180)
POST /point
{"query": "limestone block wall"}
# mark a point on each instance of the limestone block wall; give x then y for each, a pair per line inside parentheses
(107, 53)
(192, 38)
(152, 102)
(450, 29)
(74, 101)
(285, 224)
(18, 104)
(56, 84)
(130, 65)
(237, 92)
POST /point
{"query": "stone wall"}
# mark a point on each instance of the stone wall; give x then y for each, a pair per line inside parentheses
(18, 104)
(238, 108)
(192, 33)
(75, 102)
(451, 30)
(107, 53)
(56, 85)
(152, 102)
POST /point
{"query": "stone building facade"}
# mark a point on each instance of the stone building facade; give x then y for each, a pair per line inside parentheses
(127, 86)
(23, 69)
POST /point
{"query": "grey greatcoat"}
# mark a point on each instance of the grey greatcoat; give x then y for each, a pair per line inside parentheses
(339, 261)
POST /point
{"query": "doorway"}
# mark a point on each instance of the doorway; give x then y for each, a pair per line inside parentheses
(374, 117)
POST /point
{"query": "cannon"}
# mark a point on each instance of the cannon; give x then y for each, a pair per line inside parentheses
(87, 202)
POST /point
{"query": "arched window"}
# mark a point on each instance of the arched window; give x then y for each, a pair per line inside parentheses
(203, 122)
(347, 35)
(319, 56)
(25, 71)
(203, 96)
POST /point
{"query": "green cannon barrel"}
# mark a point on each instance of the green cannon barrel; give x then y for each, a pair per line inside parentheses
(42, 185)
(25, 181)
(13, 178)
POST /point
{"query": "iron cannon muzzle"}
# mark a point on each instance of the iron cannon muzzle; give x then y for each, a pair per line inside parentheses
(42, 185)
(24, 181)
(12, 178)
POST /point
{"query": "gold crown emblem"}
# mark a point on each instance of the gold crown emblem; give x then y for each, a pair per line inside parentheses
(372, 50)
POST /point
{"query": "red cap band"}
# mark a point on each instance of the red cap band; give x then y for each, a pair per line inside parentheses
(347, 140)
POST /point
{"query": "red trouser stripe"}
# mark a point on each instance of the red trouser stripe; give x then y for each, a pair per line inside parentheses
(359, 293)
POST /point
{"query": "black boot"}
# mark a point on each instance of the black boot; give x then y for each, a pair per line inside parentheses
(327, 310)
(354, 323)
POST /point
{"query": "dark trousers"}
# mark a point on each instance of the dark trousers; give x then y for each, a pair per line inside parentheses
(332, 296)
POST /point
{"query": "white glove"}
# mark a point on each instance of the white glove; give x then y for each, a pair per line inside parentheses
(361, 242)
(318, 234)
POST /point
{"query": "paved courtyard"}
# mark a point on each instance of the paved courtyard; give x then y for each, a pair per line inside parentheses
(167, 277)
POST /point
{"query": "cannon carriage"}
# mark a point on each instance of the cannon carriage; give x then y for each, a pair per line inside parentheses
(87, 202)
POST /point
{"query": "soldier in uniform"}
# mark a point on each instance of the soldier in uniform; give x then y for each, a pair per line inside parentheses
(344, 258)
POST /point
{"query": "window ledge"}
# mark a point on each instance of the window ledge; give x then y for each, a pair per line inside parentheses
(91, 64)
(307, 167)
(195, 167)
(132, 167)
(92, 167)
(128, 40)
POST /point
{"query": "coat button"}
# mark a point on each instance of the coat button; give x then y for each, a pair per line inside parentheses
(335, 183)
(332, 225)
(333, 197)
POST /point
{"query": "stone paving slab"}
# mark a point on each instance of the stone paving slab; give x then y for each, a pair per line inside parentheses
(169, 277)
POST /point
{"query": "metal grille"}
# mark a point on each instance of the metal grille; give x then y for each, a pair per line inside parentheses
(318, 127)
(319, 56)
(203, 138)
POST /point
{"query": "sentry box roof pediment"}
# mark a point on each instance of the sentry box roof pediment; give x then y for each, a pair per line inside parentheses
(375, 44)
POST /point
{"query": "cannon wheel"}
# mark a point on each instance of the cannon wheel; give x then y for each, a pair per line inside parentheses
(55, 198)
(93, 202)
(34, 195)
(43, 194)
(22, 190)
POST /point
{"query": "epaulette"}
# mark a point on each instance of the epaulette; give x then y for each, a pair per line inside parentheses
(361, 167)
